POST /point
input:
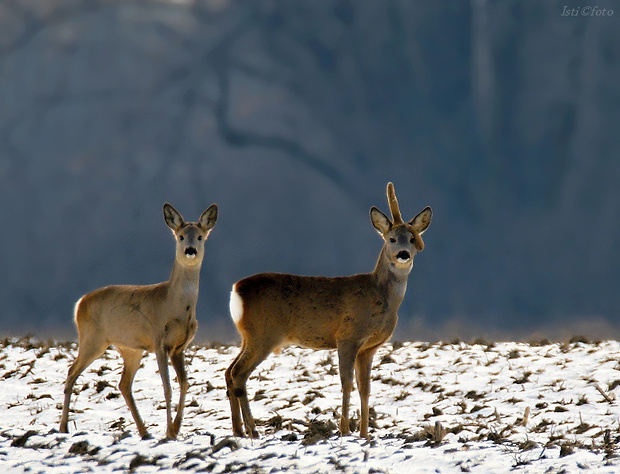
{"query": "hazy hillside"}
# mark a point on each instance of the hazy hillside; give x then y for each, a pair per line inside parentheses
(293, 116)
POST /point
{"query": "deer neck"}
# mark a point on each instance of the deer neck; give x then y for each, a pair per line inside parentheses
(391, 280)
(183, 282)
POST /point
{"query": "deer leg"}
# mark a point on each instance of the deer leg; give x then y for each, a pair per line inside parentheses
(246, 412)
(346, 360)
(247, 361)
(132, 359)
(87, 353)
(178, 362)
(363, 364)
(162, 364)
(235, 409)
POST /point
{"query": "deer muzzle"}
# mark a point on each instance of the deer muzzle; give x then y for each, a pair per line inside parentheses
(403, 256)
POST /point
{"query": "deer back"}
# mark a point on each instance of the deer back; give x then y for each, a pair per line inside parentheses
(312, 311)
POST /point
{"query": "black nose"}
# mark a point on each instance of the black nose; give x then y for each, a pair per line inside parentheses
(403, 255)
(190, 251)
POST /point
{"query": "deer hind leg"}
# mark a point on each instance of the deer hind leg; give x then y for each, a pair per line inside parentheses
(87, 353)
(250, 357)
(363, 364)
(347, 352)
(235, 409)
(178, 362)
(132, 359)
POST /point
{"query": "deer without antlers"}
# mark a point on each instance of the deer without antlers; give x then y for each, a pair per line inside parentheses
(158, 318)
(353, 314)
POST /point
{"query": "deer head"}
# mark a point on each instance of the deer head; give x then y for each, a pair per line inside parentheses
(190, 236)
(402, 240)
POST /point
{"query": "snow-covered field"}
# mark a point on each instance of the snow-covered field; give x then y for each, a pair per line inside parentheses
(437, 408)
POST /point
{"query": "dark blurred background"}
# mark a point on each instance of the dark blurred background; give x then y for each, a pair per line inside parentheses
(293, 115)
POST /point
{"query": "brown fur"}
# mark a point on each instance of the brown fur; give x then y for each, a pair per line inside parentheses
(336, 309)
(158, 318)
(353, 314)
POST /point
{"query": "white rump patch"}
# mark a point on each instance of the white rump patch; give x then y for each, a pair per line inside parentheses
(77, 305)
(236, 305)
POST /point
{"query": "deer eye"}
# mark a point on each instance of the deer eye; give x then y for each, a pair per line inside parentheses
(181, 237)
(200, 237)
(412, 240)
(392, 239)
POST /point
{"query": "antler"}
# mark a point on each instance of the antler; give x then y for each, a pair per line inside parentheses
(394, 209)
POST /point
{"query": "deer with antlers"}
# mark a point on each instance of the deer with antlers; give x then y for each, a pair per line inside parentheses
(353, 314)
(158, 318)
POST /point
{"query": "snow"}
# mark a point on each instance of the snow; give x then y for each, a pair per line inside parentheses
(437, 408)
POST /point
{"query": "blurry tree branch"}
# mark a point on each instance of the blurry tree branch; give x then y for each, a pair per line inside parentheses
(503, 124)
(246, 138)
(34, 22)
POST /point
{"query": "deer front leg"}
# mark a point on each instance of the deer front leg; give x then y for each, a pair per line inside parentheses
(346, 360)
(178, 362)
(363, 364)
(162, 363)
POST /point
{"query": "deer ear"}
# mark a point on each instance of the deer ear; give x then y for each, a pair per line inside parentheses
(208, 218)
(380, 221)
(421, 222)
(173, 219)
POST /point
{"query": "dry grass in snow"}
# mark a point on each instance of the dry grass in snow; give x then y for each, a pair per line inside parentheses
(436, 408)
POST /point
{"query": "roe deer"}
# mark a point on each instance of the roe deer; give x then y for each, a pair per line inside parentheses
(353, 314)
(158, 318)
